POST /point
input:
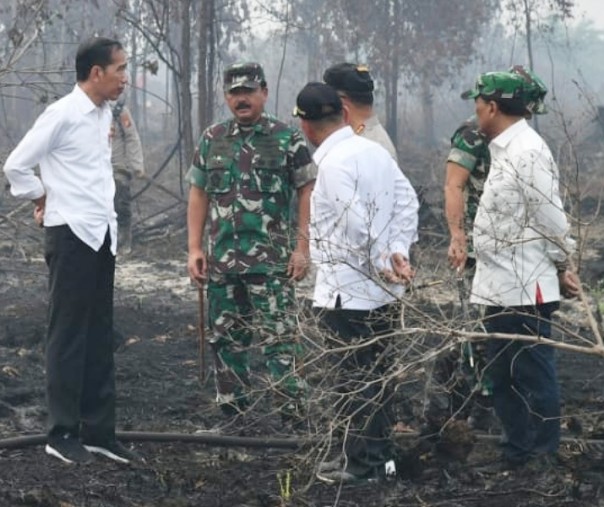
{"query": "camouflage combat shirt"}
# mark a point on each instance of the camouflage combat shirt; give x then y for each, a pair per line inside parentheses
(470, 150)
(250, 175)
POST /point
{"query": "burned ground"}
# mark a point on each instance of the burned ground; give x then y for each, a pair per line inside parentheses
(159, 390)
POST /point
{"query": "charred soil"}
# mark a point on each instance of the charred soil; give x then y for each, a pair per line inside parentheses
(159, 389)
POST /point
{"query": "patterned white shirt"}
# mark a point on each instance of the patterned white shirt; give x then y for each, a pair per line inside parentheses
(520, 228)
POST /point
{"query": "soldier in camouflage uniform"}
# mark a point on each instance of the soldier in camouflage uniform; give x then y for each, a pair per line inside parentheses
(467, 169)
(244, 175)
(127, 161)
(355, 87)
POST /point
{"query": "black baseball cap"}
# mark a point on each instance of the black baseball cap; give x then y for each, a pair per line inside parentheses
(317, 101)
(349, 77)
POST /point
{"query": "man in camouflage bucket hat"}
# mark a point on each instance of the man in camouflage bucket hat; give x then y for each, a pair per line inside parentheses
(521, 244)
(244, 175)
(467, 169)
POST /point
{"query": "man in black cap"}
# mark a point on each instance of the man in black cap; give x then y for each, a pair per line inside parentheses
(360, 242)
(355, 87)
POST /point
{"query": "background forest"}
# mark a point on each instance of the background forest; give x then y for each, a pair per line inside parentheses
(422, 53)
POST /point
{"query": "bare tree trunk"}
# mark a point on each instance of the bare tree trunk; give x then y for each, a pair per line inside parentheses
(144, 100)
(529, 35)
(529, 45)
(202, 67)
(392, 78)
(428, 112)
(134, 109)
(211, 11)
(282, 62)
(185, 80)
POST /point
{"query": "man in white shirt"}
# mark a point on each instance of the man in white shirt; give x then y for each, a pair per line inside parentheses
(363, 222)
(73, 198)
(521, 243)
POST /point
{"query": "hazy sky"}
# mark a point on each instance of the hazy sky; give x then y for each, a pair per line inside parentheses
(591, 9)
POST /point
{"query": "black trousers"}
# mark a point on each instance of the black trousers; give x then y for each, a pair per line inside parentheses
(80, 377)
(525, 384)
(364, 401)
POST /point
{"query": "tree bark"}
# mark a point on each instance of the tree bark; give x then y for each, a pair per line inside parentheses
(393, 75)
(202, 67)
(428, 113)
(186, 103)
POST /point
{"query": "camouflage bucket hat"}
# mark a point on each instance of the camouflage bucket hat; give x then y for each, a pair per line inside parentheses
(243, 75)
(535, 91)
(498, 86)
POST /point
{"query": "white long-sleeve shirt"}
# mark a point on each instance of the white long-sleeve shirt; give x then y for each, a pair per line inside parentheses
(71, 143)
(520, 228)
(363, 209)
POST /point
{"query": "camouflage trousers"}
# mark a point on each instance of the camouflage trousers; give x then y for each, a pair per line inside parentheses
(244, 309)
(460, 386)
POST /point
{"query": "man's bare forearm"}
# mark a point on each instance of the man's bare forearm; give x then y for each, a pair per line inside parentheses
(197, 211)
(302, 241)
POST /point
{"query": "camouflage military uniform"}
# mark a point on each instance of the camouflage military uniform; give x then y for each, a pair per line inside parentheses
(454, 377)
(469, 149)
(250, 175)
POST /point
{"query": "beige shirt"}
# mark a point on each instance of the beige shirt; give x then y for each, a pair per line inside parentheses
(127, 151)
(375, 132)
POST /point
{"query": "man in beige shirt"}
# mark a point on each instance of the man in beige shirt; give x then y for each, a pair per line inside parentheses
(355, 88)
(127, 161)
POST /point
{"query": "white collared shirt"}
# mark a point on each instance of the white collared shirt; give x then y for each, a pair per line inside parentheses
(520, 227)
(363, 209)
(71, 143)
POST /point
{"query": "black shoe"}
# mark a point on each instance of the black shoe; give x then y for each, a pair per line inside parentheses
(342, 476)
(68, 449)
(113, 450)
